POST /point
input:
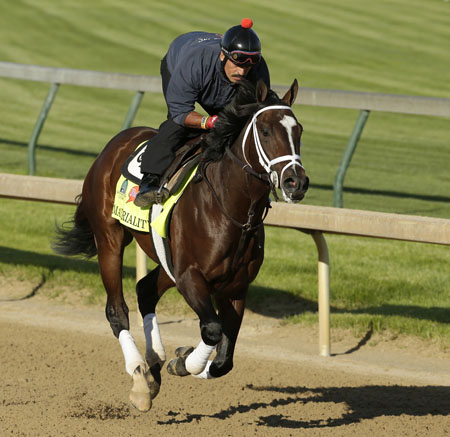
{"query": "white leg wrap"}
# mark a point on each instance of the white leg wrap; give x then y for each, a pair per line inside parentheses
(133, 358)
(205, 374)
(196, 361)
(154, 348)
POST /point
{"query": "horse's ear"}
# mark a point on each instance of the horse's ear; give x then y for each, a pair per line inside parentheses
(289, 97)
(261, 91)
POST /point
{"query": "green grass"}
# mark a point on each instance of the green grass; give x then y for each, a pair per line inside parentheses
(400, 165)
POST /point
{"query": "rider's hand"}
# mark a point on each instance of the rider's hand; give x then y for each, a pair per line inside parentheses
(209, 122)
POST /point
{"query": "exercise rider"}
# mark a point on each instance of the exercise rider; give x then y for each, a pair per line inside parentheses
(202, 68)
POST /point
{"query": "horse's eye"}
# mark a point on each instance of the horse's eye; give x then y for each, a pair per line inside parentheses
(264, 132)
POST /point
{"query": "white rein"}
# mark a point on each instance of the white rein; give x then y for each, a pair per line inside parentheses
(266, 163)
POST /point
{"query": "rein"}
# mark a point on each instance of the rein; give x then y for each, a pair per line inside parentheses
(248, 169)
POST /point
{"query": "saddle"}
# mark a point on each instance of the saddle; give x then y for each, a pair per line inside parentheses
(186, 157)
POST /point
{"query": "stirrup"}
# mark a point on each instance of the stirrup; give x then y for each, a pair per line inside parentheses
(154, 196)
(161, 195)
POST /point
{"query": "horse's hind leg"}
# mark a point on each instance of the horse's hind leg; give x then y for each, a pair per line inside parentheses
(149, 290)
(111, 244)
(110, 263)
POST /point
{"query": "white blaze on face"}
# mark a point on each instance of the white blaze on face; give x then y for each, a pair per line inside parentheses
(289, 122)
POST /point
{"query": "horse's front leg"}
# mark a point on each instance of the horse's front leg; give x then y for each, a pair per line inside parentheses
(196, 292)
(231, 313)
(110, 255)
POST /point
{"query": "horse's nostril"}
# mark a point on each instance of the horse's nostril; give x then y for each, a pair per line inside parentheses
(291, 183)
(294, 183)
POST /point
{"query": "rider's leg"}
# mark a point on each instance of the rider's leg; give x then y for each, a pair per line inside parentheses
(157, 157)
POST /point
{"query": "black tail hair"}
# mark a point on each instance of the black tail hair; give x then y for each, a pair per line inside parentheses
(75, 237)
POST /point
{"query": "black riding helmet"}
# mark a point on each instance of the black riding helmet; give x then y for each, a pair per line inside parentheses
(241, 44)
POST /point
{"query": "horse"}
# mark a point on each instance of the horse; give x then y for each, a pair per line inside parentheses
(216, 233)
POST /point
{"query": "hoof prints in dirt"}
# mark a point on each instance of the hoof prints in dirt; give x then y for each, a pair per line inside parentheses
(102, 412)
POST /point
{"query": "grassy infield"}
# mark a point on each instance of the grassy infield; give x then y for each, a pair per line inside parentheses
(393, 47)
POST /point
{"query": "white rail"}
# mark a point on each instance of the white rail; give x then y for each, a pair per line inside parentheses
(314, 220)
(308, 96)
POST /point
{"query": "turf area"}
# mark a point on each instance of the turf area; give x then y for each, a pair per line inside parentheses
(401, 163)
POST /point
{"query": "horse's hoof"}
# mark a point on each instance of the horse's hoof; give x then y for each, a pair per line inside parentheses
(153, 377)
(140, 393)
(154, 389)
(141, 401)
(183, 351)
(177, 367)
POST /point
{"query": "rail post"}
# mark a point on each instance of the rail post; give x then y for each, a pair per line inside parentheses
(38, 127)
(324, 293)
(133, 109)
(347, 157)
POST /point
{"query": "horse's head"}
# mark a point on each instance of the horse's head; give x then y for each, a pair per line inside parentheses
(272, 142)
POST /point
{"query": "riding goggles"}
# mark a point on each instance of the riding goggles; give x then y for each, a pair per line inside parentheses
(241, 58)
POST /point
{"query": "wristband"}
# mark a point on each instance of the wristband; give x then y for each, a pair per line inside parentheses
(204, 121)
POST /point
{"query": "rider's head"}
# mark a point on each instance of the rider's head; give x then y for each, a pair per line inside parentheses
(241, 50)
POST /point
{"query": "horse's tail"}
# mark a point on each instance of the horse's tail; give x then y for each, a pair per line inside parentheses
(75, 237)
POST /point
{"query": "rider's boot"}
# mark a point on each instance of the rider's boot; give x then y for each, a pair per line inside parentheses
(150, 191)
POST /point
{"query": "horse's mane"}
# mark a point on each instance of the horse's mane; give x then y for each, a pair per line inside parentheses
(233, 118)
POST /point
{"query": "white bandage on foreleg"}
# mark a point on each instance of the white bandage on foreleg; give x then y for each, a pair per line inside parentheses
(154, 348)
(196, 361)
(133, 358)
(205, 373)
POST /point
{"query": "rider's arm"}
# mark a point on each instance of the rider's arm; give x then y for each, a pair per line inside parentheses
(193, 120)
(191, 73)
(183, 90)
(198, 121)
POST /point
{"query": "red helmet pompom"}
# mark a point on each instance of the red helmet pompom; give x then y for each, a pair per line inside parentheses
(246, 23)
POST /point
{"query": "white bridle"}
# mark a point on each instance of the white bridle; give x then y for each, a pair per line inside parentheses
(266, 163)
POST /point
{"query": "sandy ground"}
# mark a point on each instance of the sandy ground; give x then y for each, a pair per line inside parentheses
(62, 374)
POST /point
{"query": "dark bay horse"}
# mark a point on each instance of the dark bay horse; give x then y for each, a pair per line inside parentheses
(216, 233)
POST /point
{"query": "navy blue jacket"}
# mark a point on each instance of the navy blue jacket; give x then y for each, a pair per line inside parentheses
(197, 75)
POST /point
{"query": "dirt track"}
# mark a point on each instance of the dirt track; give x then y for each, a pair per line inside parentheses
(62, 374)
